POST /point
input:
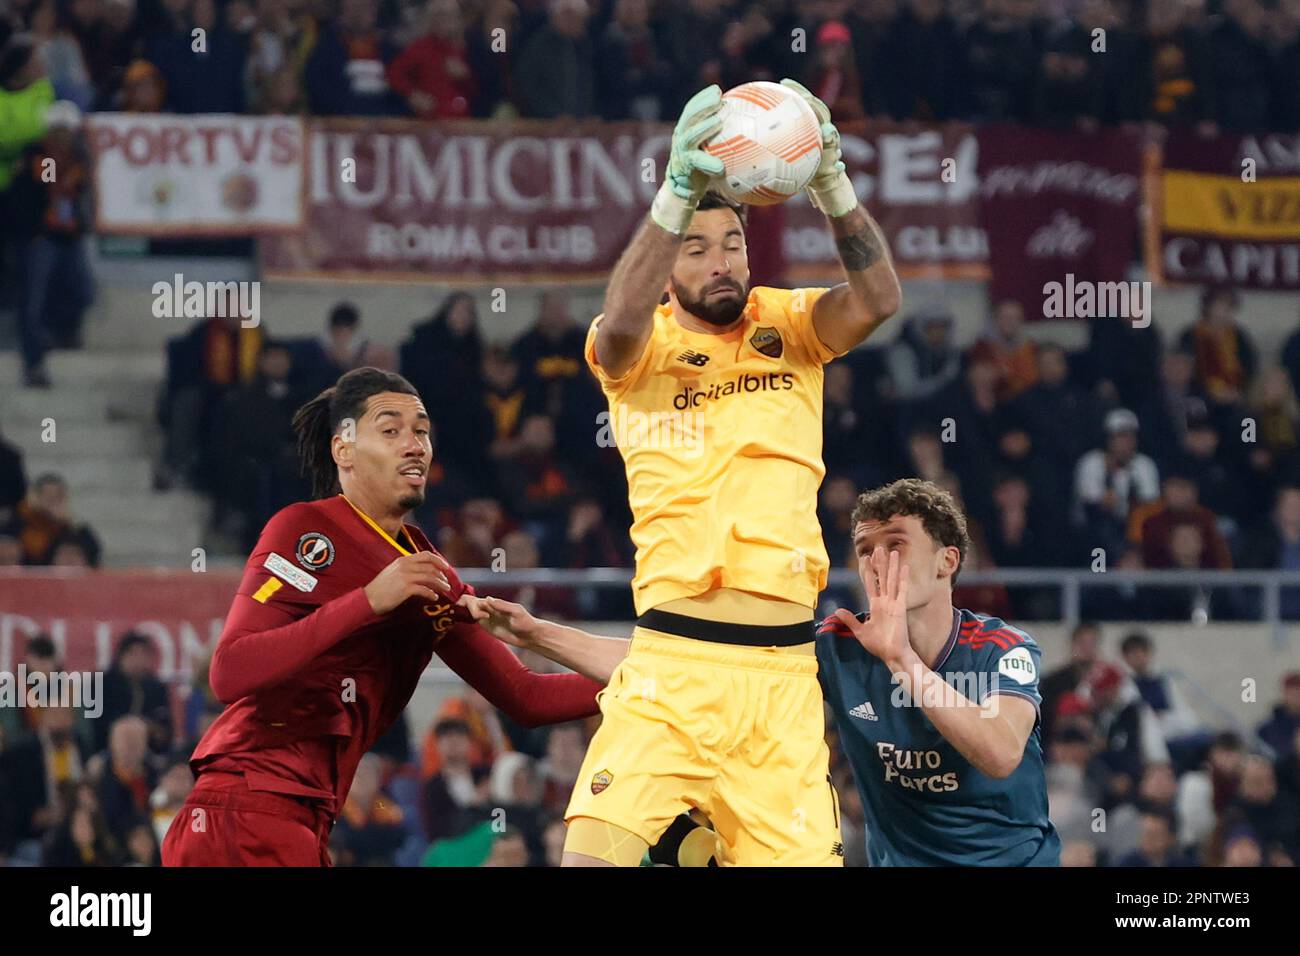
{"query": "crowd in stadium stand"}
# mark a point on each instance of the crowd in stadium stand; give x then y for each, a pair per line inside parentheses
(1235, 64)
(1135, 777)
(1130, 453)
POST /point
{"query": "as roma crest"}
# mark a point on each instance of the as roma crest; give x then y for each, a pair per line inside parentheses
(767, 341)
(601, 780)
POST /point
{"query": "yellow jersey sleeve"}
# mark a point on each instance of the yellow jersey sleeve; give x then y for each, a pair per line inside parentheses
(796, 305)
(608, 383)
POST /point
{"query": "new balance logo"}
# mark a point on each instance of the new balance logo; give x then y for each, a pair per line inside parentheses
(864, 711)
(693, 358)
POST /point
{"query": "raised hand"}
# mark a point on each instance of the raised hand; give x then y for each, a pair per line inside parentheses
(423, 574)
(690, 169)
(830, 189)
(884, 633)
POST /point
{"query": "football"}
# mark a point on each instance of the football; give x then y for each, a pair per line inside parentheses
(770, 143)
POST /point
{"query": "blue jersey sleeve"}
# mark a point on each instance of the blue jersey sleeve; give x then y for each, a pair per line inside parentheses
(1012, 667)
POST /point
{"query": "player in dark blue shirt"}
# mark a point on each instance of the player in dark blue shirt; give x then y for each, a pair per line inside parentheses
(926, 803)
(937, 708)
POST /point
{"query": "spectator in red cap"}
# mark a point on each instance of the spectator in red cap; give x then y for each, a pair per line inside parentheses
(1279, 730)
(835, 79)
(1085, 645)
(1126, 723)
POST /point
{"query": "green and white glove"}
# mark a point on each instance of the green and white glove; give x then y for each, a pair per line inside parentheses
(830, 190)
(690, 169)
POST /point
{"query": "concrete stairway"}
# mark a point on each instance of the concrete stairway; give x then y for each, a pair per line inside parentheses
(105, 441)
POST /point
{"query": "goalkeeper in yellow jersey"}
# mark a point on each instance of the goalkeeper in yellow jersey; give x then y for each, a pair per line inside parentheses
(715, 401)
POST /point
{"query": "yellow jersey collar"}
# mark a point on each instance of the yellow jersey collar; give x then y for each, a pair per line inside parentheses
(380, 531)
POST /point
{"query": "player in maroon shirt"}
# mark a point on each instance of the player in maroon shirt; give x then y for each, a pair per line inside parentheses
(340, 609)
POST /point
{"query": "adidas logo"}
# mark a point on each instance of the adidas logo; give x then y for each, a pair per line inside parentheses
(691, 357)
(864, 711)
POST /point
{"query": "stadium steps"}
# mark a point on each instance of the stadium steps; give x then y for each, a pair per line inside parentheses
(102, 405)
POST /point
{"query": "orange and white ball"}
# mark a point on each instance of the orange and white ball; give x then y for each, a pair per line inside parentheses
(770, 143)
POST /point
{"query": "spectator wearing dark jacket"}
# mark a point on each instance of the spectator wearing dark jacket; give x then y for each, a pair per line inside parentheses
(84, 840)
(203, 366)
(13, 481)
(345, 73)
(128, 777)
(1216, 472)
(207, 80)
(318, 363)
(454, 798)
(1118, 362)
(1224, 354)
(131, 688)
(921, 363)
(1173, 67)
(258, 459)
(1274, 545)
(1273, 814)
(1172, 404)
(443, 359)
(634, 77)
(1064, 420)
(1000, 67)
(1085, 647)
(1238, 63)
(928, 84)
(555, 75)
(1157, 842)
(1285, 76)
(1280, 730)
(49, 217)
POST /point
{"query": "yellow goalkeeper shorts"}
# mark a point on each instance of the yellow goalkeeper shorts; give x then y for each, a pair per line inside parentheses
(735, 731)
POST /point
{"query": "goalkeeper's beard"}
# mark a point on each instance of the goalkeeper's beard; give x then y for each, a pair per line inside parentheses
(719, 312)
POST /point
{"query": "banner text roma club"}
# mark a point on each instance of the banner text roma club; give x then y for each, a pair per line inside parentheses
(529, 200)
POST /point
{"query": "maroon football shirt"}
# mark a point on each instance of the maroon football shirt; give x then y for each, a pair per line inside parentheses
(313, 676)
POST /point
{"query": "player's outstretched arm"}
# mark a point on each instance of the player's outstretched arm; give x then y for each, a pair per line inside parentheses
(528, 698)
(849, 312)
(588, 654)
(638, 280)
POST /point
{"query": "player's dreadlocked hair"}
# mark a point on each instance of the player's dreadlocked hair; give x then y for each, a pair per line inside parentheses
(913, 497)
(316, 422)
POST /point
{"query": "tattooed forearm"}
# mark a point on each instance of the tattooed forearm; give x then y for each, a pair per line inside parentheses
(859, 251)
(858, 240)
(870, 294)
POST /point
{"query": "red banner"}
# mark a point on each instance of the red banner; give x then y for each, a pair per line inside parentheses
(1058, 207)
(1227, 211)
(87, 612)
(531, 200)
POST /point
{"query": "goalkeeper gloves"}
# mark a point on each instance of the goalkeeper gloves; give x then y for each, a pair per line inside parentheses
(690, 168)
(830, 189)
